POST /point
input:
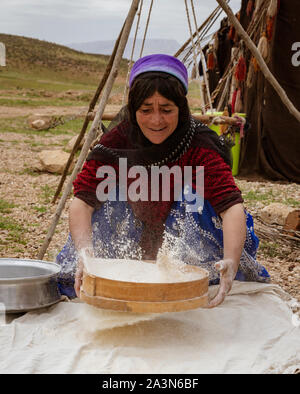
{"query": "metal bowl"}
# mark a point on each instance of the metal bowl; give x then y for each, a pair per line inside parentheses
(27, 285)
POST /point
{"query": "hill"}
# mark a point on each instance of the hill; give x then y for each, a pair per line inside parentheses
(40, 73)
(151, 46)
(30, 57)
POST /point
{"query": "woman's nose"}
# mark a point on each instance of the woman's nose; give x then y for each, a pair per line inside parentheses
(156, 118)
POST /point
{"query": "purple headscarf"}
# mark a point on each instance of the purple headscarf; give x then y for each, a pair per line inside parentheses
(163, 63)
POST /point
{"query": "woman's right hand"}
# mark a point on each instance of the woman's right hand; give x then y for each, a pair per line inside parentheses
(80, 217)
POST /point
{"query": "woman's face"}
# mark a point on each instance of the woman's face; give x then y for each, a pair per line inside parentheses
(157, 117)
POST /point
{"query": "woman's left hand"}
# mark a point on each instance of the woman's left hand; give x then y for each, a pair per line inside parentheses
(227, 269)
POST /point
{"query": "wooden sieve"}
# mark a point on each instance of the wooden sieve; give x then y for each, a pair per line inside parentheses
(145, 297)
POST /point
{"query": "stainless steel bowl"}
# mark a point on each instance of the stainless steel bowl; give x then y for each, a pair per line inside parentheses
(26, 285)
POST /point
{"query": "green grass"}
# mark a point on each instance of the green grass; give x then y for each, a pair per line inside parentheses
(5, 206)
(60, 101)
(41, 209)
(70, 127)
(15, 231)
(292, 202)
(19, 125)
(271, 249)
(47, 194)
(29, 171)
(256, 196)
(269, 197)
(17, 249)
(14, 80)
(15, 125)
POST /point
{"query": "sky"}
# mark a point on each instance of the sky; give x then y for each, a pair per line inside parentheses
(74, 21)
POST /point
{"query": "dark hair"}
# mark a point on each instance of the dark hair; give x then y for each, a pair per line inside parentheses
(146, 84)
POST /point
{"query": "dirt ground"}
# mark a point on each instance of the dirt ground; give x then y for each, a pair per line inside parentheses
(10, 112)
(27, 210)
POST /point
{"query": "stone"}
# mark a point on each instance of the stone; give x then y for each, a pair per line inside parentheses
(292, 221)
(275, 213)
(53, 161)
(40, 122)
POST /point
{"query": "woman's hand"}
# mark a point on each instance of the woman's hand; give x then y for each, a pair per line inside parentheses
(78, 277)
(84, 254)
(234, 235)
(227, 269)
(80, 217)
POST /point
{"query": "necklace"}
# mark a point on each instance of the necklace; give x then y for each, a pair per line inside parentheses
(174, 155)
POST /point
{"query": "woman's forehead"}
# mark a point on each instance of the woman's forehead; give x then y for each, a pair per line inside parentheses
(157, 98)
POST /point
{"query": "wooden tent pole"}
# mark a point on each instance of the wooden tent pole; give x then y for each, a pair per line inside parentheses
(95, 125)
(181, 49)
(264, 68)
(132, 53)
(87, 117)
(195, 59)
(202, 57)
(203, 32)
(146, 28)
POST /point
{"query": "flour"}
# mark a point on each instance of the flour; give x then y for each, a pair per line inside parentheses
(95, 319)
(139, 271)
(170, 265)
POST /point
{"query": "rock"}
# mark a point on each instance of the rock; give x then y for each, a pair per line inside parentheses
(275, 213)
(40, 122)
(292, 221)
(53, 161)
(71, 143)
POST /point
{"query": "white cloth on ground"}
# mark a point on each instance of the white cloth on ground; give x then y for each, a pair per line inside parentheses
(253, 331)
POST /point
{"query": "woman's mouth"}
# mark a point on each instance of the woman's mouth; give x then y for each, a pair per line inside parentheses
(158, 130)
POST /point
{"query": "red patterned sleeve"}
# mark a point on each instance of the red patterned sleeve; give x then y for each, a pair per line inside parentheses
(85, 185)
(219, 185)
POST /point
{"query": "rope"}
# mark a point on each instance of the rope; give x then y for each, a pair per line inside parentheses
(146, 29)
(224, 93)
(195, 58)
(202, 59)
(183, 48)
(205, 29)
(132, 53)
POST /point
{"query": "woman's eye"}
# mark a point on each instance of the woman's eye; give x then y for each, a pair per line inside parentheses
(166, 111)
(145, 111)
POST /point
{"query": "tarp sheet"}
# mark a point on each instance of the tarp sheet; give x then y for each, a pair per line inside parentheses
(253, 331)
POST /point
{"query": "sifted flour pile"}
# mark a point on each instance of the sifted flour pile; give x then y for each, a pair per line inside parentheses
(139, 271)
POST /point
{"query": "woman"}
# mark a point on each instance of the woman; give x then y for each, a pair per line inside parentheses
(159, 131)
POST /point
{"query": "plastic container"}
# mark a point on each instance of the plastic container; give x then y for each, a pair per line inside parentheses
(236, 148)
